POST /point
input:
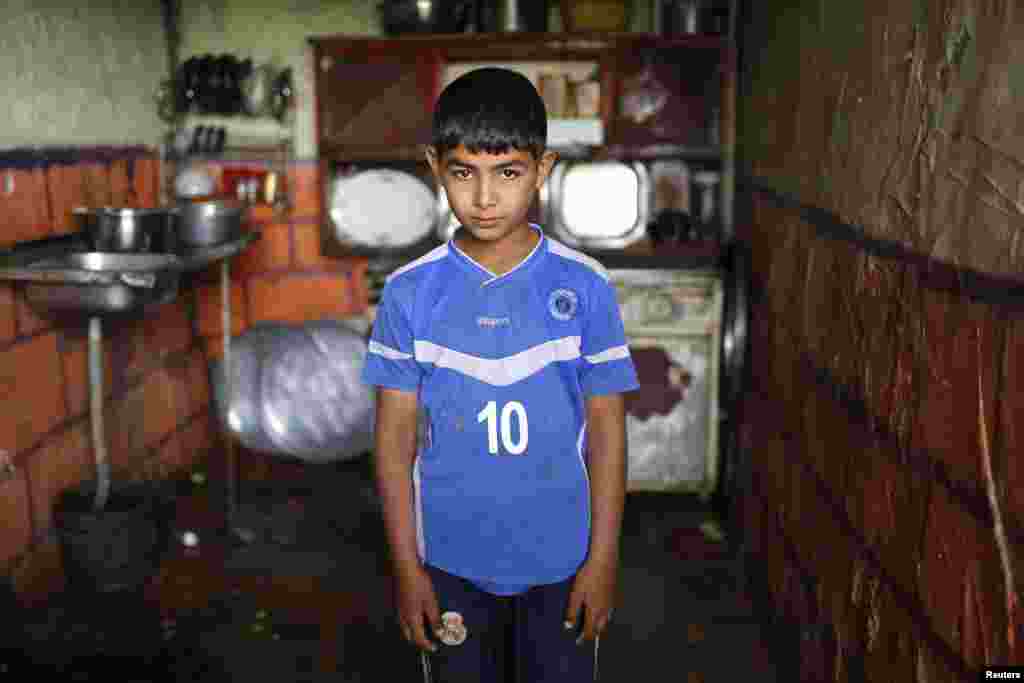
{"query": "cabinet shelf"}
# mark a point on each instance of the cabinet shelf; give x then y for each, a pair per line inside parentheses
(414, 153)
(248, 127)
(457, 45)
(267, 154)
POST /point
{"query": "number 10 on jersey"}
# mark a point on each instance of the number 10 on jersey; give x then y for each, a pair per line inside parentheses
(502, 423)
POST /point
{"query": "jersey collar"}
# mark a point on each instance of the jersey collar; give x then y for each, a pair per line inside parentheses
(490, 278)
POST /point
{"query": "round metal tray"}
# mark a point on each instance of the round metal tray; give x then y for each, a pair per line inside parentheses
(122, 262)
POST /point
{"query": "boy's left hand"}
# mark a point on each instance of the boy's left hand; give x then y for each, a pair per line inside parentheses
(594, 592)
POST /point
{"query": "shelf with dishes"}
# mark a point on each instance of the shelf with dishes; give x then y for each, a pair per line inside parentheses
(229, 157)
(604, 94)
(594, 111)
(642, 125)
(395, 211)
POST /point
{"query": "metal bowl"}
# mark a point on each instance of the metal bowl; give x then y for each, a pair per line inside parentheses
(121, 230)
(206, 224)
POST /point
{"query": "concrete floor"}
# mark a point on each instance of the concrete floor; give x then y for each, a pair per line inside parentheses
(308, 599)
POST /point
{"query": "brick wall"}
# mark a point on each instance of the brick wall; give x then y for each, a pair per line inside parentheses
(157, 391)
(883, 419)
(869, 430)
(157, 408)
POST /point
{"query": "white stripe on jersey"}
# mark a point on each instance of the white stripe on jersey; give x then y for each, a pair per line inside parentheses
(614, 353)
(386, 351)
(435, 254)
(556, 247)
(500, 372)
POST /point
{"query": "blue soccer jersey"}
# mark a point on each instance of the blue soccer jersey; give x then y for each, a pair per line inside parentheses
(502, 366)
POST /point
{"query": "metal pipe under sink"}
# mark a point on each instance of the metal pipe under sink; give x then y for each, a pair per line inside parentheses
(96, 412)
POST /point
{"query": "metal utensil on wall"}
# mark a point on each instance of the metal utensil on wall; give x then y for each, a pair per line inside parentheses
(426, 16)
(208, 140)
(511, 16)
(281, 90)
(690, 17)
(257, 90)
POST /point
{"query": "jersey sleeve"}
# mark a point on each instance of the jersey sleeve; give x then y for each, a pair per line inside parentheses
(390, 357)
(607, 364)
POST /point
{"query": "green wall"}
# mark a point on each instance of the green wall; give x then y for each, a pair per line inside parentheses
(80, 73)
(87, 73)
(274, 31)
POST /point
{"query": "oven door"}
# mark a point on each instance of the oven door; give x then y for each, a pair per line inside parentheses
(673, 321)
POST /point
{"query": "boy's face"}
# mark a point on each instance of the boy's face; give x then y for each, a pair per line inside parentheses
(491, 194)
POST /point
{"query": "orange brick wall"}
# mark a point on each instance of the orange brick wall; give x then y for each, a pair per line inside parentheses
(157, 396)
(886, 514)
(282, 277)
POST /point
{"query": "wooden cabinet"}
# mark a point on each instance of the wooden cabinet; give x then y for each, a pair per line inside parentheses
(374, 97)
(660, 97)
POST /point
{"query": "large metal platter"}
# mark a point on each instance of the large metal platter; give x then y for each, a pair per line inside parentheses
(381, 208)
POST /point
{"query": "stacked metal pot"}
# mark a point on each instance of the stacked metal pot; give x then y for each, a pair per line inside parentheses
(189, 225)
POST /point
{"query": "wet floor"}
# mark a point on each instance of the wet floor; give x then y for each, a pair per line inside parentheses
(307, 599)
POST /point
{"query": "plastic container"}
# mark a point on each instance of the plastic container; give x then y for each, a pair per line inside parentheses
(117, 548)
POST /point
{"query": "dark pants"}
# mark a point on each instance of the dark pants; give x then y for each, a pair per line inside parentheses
(509, 639)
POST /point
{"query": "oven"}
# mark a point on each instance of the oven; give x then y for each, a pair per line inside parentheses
(686, 326)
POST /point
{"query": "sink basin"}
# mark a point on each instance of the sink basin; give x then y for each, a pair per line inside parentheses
(96, 283)
(97, 299)
(60, 276)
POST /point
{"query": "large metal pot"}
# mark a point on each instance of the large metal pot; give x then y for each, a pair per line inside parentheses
(424, 16)
(206, 224)
(125, 230)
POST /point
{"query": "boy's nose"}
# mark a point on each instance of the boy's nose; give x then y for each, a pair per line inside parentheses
(484, 194)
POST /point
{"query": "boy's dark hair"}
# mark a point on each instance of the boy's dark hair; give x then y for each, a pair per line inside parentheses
(490, 110)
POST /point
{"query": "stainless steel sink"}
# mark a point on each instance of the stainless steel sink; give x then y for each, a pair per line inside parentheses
(123, 283)
(98, 299)
(60, 275)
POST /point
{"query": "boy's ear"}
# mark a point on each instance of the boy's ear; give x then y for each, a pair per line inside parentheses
(431, 154)
(544, 166)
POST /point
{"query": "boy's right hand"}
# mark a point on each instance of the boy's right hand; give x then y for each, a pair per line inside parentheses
(417, 602)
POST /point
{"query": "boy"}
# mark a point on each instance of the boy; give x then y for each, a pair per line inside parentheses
(507, 350)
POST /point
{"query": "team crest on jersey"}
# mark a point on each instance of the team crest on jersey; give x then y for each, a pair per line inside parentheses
(562, 304)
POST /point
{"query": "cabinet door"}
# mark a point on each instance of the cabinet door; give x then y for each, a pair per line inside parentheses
(375, 96)
(667, 94)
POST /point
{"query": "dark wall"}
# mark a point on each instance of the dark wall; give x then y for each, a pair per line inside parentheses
(882, 153)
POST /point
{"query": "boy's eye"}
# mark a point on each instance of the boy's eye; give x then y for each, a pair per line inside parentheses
(510, 173)
(460, 173)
